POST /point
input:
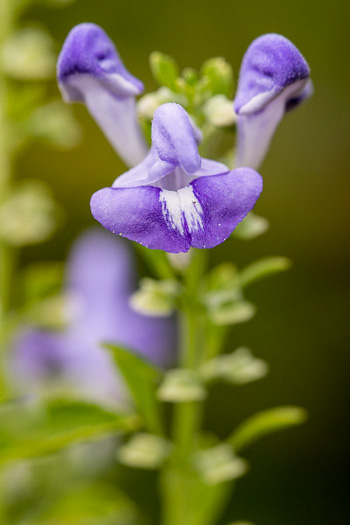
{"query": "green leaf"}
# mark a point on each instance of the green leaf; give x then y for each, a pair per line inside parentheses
(141, 378)
(29, 430)
(264, 423)
(263, 268)
(219, 75)
(164, 70)
(252, 226)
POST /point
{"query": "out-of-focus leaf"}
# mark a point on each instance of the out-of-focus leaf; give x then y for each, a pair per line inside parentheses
(29, 215)
(264, 423)
(181, 386)
(188, 499)
(238, 368)
(145, 451)
(54, 125)
(29, 430)
(42, 279)
(252, 226)
(219, 76)
(164, 70)
(263, 268)
(141, 378)
(29, 55)
(156, 260)
(97, 504)
(155, 298)
(219, 464)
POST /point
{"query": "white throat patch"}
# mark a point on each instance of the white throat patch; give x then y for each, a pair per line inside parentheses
(181, 208)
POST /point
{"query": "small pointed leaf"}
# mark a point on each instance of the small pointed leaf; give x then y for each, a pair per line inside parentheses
(164, 69)
(141, 378)
(264, 423)
(263, 268)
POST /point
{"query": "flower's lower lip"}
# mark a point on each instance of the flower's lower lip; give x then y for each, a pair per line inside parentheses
(202, 214)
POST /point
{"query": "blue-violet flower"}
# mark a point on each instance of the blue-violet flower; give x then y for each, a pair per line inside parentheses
(99, 282)
(274, 78)
(90, 71)
(174, 199)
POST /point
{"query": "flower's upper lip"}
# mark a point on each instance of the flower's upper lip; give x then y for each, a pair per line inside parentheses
(274, 78)
(90, 71)
(89, 51)
(270, 65)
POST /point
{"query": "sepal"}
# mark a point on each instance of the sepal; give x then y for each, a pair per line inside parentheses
(238, 368)
(145, 451)
(155, 298)
(219, 464)
(181, 386)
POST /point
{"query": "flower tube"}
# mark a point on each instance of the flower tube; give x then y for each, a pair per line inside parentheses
(274, 78)
(90, 71)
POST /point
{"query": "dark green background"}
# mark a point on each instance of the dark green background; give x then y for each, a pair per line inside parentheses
(301, 329)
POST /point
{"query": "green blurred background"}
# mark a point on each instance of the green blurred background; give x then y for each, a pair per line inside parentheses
(303, 319)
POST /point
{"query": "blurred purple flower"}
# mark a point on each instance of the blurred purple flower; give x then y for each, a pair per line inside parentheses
(90, 71)
(174, 199)
(100, 279)
(274, 78)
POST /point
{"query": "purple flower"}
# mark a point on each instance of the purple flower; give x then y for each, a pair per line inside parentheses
(174, 199)
(90, 71)
(100, 279)
(274, 78)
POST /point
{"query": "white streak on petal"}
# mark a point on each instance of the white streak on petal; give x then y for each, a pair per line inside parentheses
(181, 208)
(171, 210)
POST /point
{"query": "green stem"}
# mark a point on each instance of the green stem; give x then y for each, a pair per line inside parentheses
(187, 415)
(5, 174)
